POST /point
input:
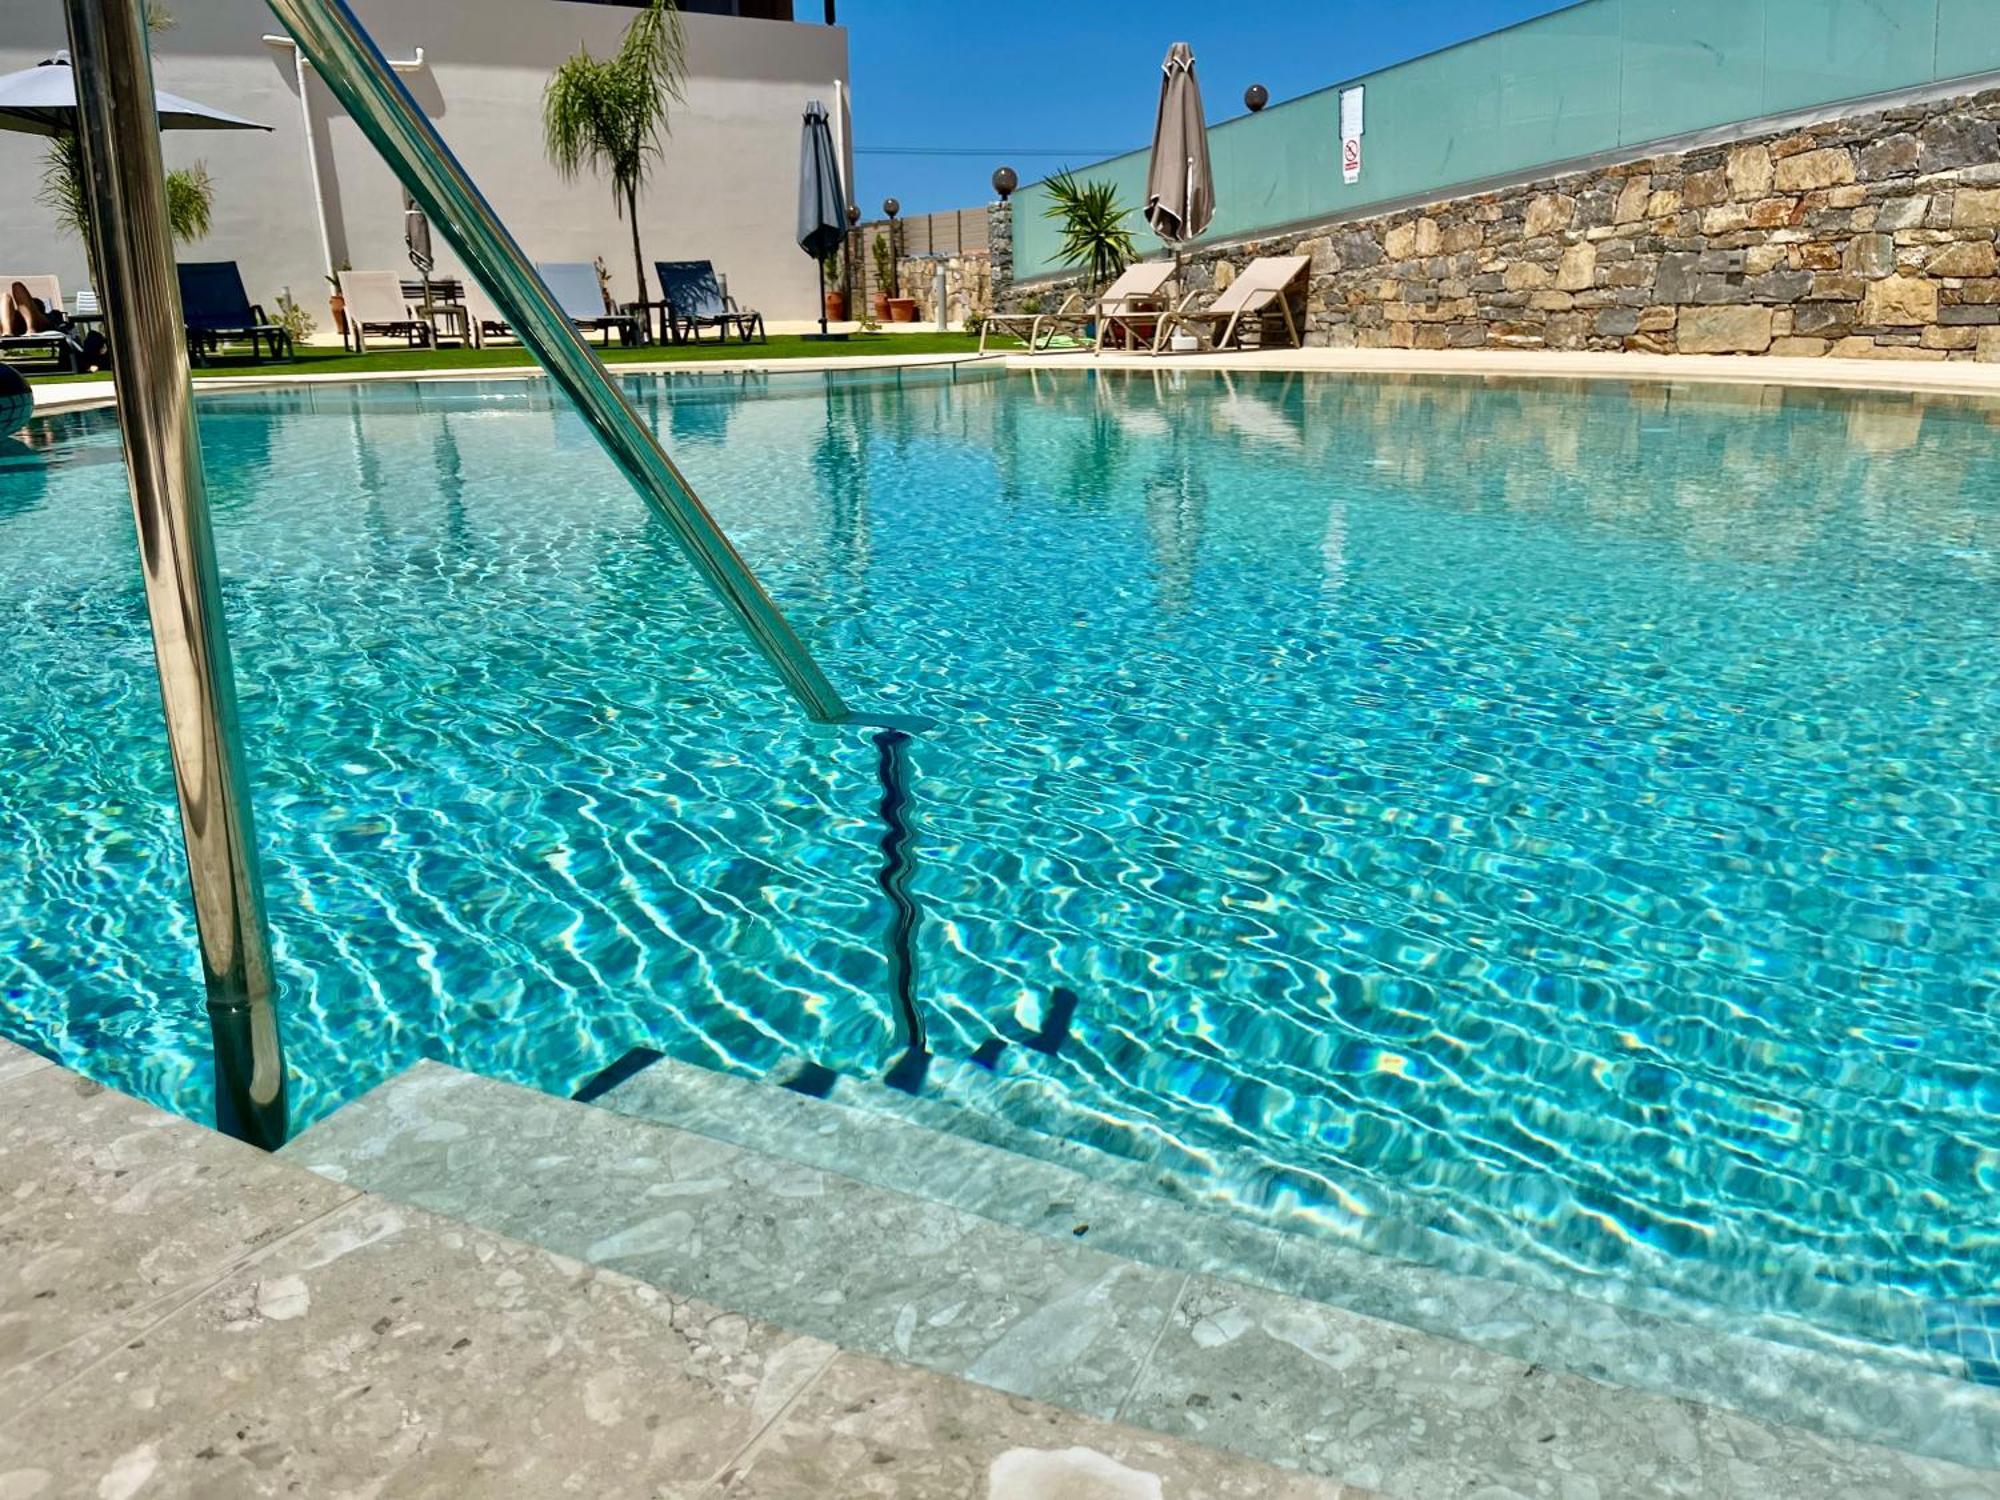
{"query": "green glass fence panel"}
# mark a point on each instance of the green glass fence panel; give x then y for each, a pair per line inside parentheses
(1840, 49)
(1968, 38)
(1689, 64)
(1558, 83)
(1595, 77)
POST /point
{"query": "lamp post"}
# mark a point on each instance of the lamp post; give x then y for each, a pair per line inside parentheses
(1256, 97)
(891, 207)
(1005, 180)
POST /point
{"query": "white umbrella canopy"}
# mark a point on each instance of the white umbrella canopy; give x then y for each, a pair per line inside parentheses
(42, 101)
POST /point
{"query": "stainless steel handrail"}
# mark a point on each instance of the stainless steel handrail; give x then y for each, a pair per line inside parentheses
(126, 186)
(351, 65)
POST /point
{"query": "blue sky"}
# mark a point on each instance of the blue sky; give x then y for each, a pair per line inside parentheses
(1081, 77)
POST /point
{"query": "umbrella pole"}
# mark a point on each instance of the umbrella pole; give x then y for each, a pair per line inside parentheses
(125, 183)
(821, 264)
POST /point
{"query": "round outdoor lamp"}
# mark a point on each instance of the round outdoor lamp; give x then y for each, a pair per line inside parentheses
(1005, 180)
(891, 207)
(1256, 96)
(854, 213)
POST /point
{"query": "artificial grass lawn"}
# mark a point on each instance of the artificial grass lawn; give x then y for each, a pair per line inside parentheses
(316, 361)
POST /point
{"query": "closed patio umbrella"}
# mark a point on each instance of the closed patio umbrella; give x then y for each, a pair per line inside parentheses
(417, 235)
(417, 239)
(1180, 189)
(822, 201)
(42, 101)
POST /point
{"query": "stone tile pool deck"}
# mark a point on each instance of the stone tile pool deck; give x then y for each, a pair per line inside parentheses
(183, 1316)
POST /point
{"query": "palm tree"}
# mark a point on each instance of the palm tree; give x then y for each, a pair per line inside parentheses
(1094, 231)
(610, 116)
(190, 193)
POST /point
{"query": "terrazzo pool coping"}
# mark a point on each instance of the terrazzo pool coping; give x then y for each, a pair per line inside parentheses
(1949, 378)
(183, 1315)
(1064, 1304)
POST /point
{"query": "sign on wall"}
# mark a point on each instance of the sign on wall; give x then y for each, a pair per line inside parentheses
(1353, 123)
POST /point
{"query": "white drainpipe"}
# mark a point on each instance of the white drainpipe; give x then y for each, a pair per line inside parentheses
(842, 157)
(299, 68)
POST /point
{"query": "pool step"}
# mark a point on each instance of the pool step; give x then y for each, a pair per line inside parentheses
(940, 1144)
(1018, 1103)
(1217, 1355)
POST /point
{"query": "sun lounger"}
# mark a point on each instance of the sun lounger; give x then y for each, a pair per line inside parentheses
(695, 301)
(1130, 310)
(32, 321)
(1066, 318)
(1269, 295)
(216, 308)
(1138, 289)
(578, 292)
(375, 305)
(486, 318)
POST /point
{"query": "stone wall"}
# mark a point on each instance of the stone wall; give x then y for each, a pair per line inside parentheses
(1871, 235)
(968, 284)
(999, 250)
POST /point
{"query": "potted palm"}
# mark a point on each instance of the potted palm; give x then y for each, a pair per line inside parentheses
(609, 116)
(885, 266)
(1095, 238)
(336, 303)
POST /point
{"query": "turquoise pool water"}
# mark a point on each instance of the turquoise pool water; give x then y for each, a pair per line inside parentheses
(1549, 827)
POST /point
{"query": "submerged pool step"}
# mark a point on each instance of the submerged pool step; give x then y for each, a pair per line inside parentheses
(931, 1146)
(1018, 1107)
(1215, 1356)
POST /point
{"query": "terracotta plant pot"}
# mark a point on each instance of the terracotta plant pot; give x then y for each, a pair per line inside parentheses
(836, 307)
(879, 305)
(337, 304)
(902, 309)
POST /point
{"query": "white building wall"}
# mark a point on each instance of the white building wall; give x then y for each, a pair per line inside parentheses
(726, 189)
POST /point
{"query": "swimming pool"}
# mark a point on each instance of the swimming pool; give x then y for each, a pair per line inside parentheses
(1547, 826)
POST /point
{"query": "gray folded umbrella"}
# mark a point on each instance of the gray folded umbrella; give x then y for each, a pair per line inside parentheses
(417, 235)
(42, 101)
(1180, 189)
(822, 203)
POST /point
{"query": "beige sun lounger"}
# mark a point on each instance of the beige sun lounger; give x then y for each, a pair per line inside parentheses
(1133, 302)
(1136, 287)
(1269, 294)
(375, 304)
